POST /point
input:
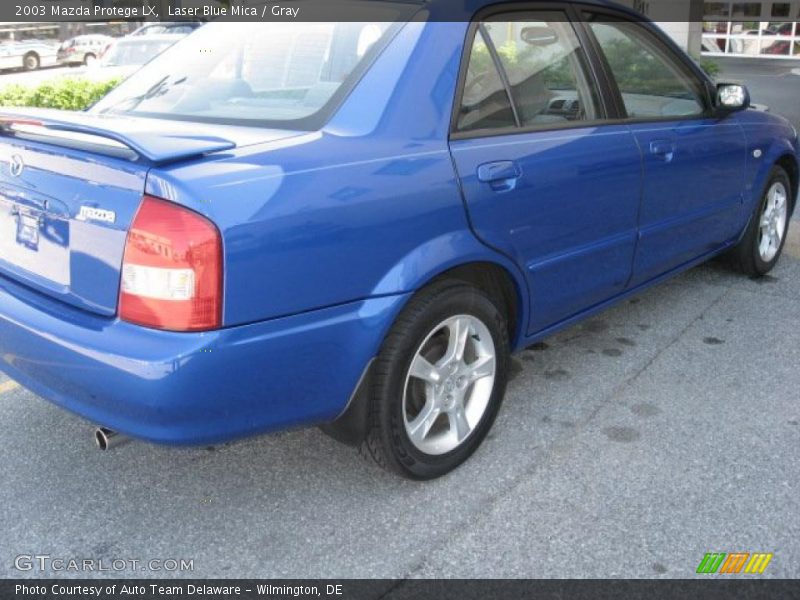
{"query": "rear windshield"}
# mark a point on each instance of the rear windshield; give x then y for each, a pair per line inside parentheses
(132, 53)
(264, 74)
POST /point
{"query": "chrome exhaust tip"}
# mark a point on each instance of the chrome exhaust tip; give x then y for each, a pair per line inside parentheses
(105, 438)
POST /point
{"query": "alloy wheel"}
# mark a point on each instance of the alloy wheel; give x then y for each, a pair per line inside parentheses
(449, 384)
(772, 223)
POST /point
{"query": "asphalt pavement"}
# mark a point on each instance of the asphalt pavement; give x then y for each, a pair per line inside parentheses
(774, 83)
(628, 446)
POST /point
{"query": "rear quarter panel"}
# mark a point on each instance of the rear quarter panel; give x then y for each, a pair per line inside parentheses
(369, 206)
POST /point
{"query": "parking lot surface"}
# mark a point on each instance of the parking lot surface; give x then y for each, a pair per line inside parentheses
(629, 445)
(772, 83)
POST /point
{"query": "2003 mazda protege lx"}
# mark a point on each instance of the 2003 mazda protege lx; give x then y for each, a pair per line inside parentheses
(355, 224)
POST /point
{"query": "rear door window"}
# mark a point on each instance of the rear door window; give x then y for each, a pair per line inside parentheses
(485, 100)
(526, 70)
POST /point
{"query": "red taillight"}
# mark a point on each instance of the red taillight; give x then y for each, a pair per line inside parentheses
(172, 269)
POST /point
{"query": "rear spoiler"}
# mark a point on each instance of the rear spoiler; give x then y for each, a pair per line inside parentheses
(141, 136)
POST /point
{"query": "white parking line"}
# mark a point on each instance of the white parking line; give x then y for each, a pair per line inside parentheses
(7, 386)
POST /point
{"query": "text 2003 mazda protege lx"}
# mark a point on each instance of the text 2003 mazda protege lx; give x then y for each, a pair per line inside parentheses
(355, 224)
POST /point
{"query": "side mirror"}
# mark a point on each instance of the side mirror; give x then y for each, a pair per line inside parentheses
(539, 36)
(732, 97)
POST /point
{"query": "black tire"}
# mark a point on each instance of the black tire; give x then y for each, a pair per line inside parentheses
(745, 256)
(387, 441)
(31, 61)
(89, 58)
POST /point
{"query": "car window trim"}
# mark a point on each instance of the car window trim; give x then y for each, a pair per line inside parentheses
(586, 63)
(501, 72)
(663, 46)
(615, 106)
(501, 131)
(603, 85)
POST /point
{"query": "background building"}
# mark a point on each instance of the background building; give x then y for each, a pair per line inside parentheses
(758, 29)
(763, 30)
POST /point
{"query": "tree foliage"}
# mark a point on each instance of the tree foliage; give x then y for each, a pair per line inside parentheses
(70, 93)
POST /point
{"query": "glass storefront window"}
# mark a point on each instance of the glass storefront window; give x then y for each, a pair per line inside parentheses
(715, 27)
(744, 27)
(785, 29)
(775, 46)
(714, 44)
(781, 9)
(765, 29)
(717, 9)
(746, 9)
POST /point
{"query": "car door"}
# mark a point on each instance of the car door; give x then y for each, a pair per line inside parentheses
(693, 161)
(7, 58)
(546, 178)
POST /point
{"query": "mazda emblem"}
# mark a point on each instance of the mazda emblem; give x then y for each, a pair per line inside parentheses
(16, 166)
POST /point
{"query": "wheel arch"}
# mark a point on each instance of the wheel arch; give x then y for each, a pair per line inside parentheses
(788, 162)
(495, 281)
(460, 255)
(493, 276)
(779, 153)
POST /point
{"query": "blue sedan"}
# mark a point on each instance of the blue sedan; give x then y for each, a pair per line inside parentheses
(354, 225)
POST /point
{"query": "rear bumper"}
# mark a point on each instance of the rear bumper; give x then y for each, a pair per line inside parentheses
(195, 388)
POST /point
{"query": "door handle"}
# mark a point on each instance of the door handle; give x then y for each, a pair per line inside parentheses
(663, 149)
(501, 175)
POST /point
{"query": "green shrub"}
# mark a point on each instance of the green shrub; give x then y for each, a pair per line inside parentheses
(69, 93)
(711, 67)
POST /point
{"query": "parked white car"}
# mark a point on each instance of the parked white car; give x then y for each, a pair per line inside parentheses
(168, 28)
(29, 55)
(83, 49)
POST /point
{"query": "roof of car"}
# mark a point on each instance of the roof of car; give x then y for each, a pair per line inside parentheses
(483, 3)
(467, 8)
(172, 24)
(89, 36)
(460, 10)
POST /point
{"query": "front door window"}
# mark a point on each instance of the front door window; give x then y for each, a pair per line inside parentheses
(652, 84)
